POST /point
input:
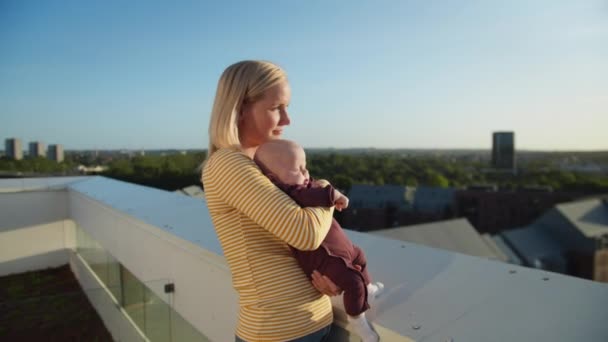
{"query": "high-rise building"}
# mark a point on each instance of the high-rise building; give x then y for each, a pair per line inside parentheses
(37, 149)
(503, 150)
(56, 153)
(13, 148)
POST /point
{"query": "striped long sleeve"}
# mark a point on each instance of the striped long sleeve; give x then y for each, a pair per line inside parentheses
(255, 222)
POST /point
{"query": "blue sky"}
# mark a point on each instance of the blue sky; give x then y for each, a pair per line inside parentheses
(386, 74)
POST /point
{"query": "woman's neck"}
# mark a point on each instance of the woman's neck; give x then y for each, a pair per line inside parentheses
(249, 151)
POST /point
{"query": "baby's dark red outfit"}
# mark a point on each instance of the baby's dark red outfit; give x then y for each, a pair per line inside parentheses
(337, 255)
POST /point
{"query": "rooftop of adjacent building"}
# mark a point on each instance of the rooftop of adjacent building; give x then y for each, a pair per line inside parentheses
(456, 235)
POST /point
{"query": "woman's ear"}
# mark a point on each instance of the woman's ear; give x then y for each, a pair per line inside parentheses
(245, 108)
(240, 113)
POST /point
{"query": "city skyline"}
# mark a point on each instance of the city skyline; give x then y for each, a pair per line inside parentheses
(402, 75)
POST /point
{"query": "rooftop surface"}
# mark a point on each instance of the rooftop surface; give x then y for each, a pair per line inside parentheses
(431, 294)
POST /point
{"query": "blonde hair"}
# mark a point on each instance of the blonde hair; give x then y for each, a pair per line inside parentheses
(245, 81)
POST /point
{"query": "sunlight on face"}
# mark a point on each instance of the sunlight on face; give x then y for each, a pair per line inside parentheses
(293, 170)
(264, 119)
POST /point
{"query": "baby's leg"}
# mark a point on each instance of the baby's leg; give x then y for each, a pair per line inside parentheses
(359, 259)
(354, 296)
(373, 289)
(351, 281)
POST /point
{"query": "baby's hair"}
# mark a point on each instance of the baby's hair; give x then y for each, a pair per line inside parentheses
(273, 153)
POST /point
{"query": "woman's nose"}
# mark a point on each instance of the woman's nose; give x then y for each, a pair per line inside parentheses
(284, 121)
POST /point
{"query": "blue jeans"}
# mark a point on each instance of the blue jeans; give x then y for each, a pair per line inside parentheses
(318, 336)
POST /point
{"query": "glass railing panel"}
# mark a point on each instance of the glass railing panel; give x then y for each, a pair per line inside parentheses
(148, 304)
(157, 311)
(133, 297)
(182, 330)
(121, 325)
(113, 281)
(162, 322)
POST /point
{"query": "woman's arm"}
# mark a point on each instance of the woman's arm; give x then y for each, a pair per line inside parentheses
(236, 180)
(307, 196)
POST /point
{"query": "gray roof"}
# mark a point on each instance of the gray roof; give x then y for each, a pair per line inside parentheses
(590, 216)
(500, 243)
(497, 250)
(456, 235)
(533, 243)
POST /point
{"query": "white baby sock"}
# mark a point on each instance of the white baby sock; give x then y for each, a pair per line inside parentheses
(363, 328)
(373, 291)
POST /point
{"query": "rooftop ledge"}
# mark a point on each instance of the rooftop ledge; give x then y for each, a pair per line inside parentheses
(430, 294)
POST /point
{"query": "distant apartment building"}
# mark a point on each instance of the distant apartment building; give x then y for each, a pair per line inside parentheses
(433, 199)
(37, 149)
(375, 207)
(56, 153)
(13, 148)
(503, 150)
(492, 211)
(380, 196)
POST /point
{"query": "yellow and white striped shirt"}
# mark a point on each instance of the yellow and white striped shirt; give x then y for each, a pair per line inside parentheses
(255, 221)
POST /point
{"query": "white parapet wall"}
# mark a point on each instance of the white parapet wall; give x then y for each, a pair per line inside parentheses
(33, 227)
(203, 292)
(36, 233)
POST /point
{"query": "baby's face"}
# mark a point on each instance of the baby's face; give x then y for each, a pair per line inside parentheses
(294, 170)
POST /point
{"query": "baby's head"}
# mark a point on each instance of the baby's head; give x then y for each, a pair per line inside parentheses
(284, 160)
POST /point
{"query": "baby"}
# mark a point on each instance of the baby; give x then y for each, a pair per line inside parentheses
(284, 163)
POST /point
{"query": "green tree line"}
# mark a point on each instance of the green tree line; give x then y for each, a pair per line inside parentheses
(169, 172)
(176, 171)
(344, 170)
(37, 165)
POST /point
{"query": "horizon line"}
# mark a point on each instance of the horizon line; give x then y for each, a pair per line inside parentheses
(343, 148)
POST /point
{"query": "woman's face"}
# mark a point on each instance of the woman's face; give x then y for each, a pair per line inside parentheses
(264, 119)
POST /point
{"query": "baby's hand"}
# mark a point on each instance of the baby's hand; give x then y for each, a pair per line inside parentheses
(341, 201)
(316, 184)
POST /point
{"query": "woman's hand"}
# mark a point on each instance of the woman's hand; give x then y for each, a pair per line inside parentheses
(324, 284)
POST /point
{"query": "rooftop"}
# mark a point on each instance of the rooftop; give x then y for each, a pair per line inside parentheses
(456, 235)
(589, 216)
(166, 238)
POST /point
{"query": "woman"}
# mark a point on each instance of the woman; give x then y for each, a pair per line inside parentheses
(255, 221)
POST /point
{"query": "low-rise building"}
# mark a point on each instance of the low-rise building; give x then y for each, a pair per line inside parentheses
(570, 238)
